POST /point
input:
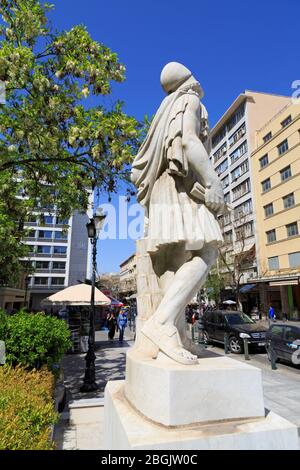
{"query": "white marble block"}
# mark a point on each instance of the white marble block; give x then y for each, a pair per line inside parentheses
(218, 388)
(127, 429)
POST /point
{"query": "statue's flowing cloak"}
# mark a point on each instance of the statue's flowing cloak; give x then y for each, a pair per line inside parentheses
(163, 179)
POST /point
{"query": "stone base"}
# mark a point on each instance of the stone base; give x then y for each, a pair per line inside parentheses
(127, 429)
(217, 389)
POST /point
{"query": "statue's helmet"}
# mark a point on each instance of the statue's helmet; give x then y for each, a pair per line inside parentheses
(173, 75)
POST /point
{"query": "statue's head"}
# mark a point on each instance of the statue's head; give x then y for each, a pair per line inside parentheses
(174, 75)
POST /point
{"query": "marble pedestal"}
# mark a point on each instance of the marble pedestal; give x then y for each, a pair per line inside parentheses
(126, 429)
(217, 404)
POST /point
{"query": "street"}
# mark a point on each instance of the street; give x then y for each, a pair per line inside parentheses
(281, 386)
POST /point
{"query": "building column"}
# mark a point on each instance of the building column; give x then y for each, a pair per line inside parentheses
(284, 299)
(264, 298)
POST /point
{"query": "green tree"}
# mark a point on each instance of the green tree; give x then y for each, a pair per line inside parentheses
(53, 146)
(214, 286)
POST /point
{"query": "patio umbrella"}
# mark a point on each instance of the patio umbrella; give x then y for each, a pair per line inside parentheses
(229, 302)
(79, 294)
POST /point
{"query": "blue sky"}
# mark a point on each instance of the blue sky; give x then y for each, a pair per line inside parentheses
(229, 45)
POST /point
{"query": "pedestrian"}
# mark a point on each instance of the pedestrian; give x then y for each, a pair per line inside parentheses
(111, 322)
(271, 313)
(122, 323)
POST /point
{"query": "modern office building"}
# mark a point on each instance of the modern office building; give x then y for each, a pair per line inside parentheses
(233, 140)
(276, 183)
(60, 252)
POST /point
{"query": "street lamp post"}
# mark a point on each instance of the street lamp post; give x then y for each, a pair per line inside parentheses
(89, 382)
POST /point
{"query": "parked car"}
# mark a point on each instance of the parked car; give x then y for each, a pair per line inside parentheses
(284, 339)
(217, 323)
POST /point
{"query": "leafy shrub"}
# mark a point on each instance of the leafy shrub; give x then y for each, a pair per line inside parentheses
(34, 340)
(26, 409)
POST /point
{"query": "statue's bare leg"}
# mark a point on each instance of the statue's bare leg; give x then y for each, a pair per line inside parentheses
(209, 254)
(160, 328)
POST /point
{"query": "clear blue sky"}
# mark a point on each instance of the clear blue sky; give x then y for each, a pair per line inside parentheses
(229, 45)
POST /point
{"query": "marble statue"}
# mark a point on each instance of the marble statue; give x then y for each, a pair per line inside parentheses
(182, 195)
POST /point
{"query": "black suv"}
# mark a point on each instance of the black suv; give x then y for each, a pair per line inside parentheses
(284, 339)
(217, 323)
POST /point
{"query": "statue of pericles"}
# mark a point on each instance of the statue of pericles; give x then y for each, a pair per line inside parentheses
(182, 195)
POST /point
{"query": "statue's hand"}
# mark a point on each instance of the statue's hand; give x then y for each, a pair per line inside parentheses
(214, 198)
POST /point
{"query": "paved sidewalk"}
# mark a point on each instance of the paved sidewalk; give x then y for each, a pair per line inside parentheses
(281, 388)
(110, 365)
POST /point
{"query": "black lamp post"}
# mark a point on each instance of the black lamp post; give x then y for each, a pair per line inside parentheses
(89, 382)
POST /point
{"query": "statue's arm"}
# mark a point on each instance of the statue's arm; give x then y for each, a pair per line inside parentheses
(197, 156)
(194, 149)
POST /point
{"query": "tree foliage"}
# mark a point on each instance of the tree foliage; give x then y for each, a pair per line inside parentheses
(54, 145)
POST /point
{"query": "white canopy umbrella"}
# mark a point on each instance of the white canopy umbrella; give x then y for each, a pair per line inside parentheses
(79, 294)
(229, 302)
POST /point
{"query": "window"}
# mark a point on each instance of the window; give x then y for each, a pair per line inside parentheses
(31, 234)
(228, 237)
(222, 167)
(44, 249)
(220, 136)
(237, 135)
(286, 121)
(240, 170)
(225, 182)
(269, 210)
(227, 198)
(220, 153)
(41, 281)
(42, 264)
(60, 221)
(60, 250)
(244, 231)
(267, 137)
(60, 236)
(59, 265)
(292, 229)
(271, 236)
(241, 189)
(243, 209)
(31, 248)
(241, 150)
(273, 263)
(283, 147)
(236, 117)
(288, 201)
(266, 185)
(286, 173)
(57, 281)
(45, 234)
(294, 259)
(291, 334)
(48, 219)
(264, 161)
(277, 331)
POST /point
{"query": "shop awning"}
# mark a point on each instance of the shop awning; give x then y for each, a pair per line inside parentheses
(246, 288)
(115, 302)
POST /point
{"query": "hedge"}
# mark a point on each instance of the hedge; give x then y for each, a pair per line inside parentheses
(26, 409)
(34, 340)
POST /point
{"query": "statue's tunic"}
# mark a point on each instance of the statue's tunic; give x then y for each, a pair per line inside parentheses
(164, 182)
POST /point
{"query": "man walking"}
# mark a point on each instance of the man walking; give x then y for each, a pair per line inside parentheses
(122, 323)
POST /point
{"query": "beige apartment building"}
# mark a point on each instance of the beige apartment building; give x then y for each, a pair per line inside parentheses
(233, 140)
(128, 277)
(276, 184)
